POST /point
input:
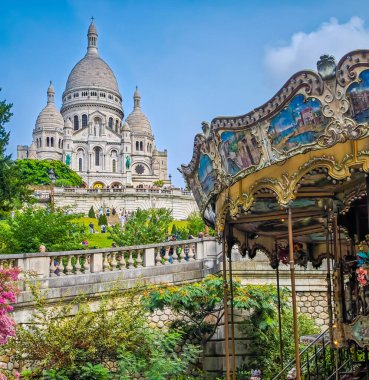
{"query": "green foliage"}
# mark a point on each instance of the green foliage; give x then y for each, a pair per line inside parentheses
(143, 227)
(36, 172)
(158, 183)
(196, 224)
(103, 220)
(174, 230)
(200, 308)
(156, 358)
(59, 345)
(265, 336)
(91, 213)
(32, 227)
(13, 187)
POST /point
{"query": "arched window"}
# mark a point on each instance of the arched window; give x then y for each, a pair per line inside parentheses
(84, 121)
(116, 126)
(137, 146)
(114, 165)
(148, 147)
(97, 156)
(141, 146)
(76, 123)
(40, 142)
(110, 122)
(80, 162)
(47, 141)
(52, 142)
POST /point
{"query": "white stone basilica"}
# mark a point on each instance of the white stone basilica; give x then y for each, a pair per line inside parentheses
(89, 134)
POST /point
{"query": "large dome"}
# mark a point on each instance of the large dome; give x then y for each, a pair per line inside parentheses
(92, 71)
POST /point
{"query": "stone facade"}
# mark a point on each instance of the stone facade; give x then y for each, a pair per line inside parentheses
(89, 134)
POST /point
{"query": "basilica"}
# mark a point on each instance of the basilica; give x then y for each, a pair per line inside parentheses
(89, 132)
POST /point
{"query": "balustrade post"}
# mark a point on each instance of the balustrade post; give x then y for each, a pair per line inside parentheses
(139, 259)
(175, 255)
(113, 261)
(182, 255)
(78, 264)
(149, 257)
(68, 267)
(130, 261)
(86, 263)
(166, 256)
(52, 267)
(192, 252)
(105, 266)
(122, 260)
(158, 258)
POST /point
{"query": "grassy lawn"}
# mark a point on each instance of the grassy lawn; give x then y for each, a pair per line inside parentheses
(96, 240)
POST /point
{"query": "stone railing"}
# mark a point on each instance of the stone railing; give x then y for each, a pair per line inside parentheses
(45, 193)
(84, 262)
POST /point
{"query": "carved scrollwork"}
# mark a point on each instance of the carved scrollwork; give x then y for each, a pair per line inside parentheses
(338, 132)
(346, 72)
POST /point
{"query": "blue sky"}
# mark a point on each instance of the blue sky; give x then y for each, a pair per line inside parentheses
(192, 60)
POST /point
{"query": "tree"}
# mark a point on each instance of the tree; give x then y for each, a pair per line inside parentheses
(36, 172)
(13, 187)
(143, 227)
(199, 308)
(91, 213)
(32, 227)
(103, 220)
(61, 345)
(196, 224)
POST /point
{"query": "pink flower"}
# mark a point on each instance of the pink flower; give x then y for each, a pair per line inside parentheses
(362, 275)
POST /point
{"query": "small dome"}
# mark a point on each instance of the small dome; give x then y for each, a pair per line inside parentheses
(92, 28)
(137, 120)
(50, 117)
(68, 124)
(126, 127)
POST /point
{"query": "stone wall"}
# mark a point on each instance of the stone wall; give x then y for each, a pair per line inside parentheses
(315, 305)
(182, 204)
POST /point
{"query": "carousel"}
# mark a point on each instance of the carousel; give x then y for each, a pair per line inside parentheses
(290, 179)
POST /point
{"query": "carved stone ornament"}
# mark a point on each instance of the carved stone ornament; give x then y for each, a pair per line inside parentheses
(326, 67)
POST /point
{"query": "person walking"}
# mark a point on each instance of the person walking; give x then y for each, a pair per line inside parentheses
(92, 228)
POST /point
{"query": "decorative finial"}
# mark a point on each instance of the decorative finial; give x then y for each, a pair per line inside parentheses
(326, 66)
(136, 98)
(50, 93)
(92, 37)
(92, 18)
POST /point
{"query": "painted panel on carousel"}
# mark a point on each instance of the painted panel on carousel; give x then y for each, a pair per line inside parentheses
(195, 190)
(299, 124)
(358, 96)
(206, 174)
(238, 151)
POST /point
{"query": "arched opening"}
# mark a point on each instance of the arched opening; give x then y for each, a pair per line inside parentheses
(40, 142)
(141, 146)
(76, 123)
(47, 141)
(97, 126)
(110, 122)
(84, 121)
(114, 166)
(97, 156)
(52, 142)
(80, 164)
(137, 145)
(117, 125)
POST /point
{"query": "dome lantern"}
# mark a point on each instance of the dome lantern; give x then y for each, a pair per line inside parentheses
(50, 93)
(92, 38)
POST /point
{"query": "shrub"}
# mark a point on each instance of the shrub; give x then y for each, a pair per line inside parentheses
(103, 220)
(91, 213)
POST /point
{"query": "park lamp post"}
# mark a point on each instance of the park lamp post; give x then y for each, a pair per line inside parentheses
(52, 177)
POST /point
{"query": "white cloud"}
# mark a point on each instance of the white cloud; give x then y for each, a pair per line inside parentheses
(304, 49)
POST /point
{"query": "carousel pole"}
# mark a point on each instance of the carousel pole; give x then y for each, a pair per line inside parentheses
(294, 302)
(232, 317)
(225, 301)
(279, 309)
(329, 284)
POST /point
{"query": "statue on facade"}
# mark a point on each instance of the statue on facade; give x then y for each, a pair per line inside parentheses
(68, 159)
(128, 161)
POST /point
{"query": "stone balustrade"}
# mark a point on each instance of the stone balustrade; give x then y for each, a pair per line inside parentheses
(126, 190)
(85, 262)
